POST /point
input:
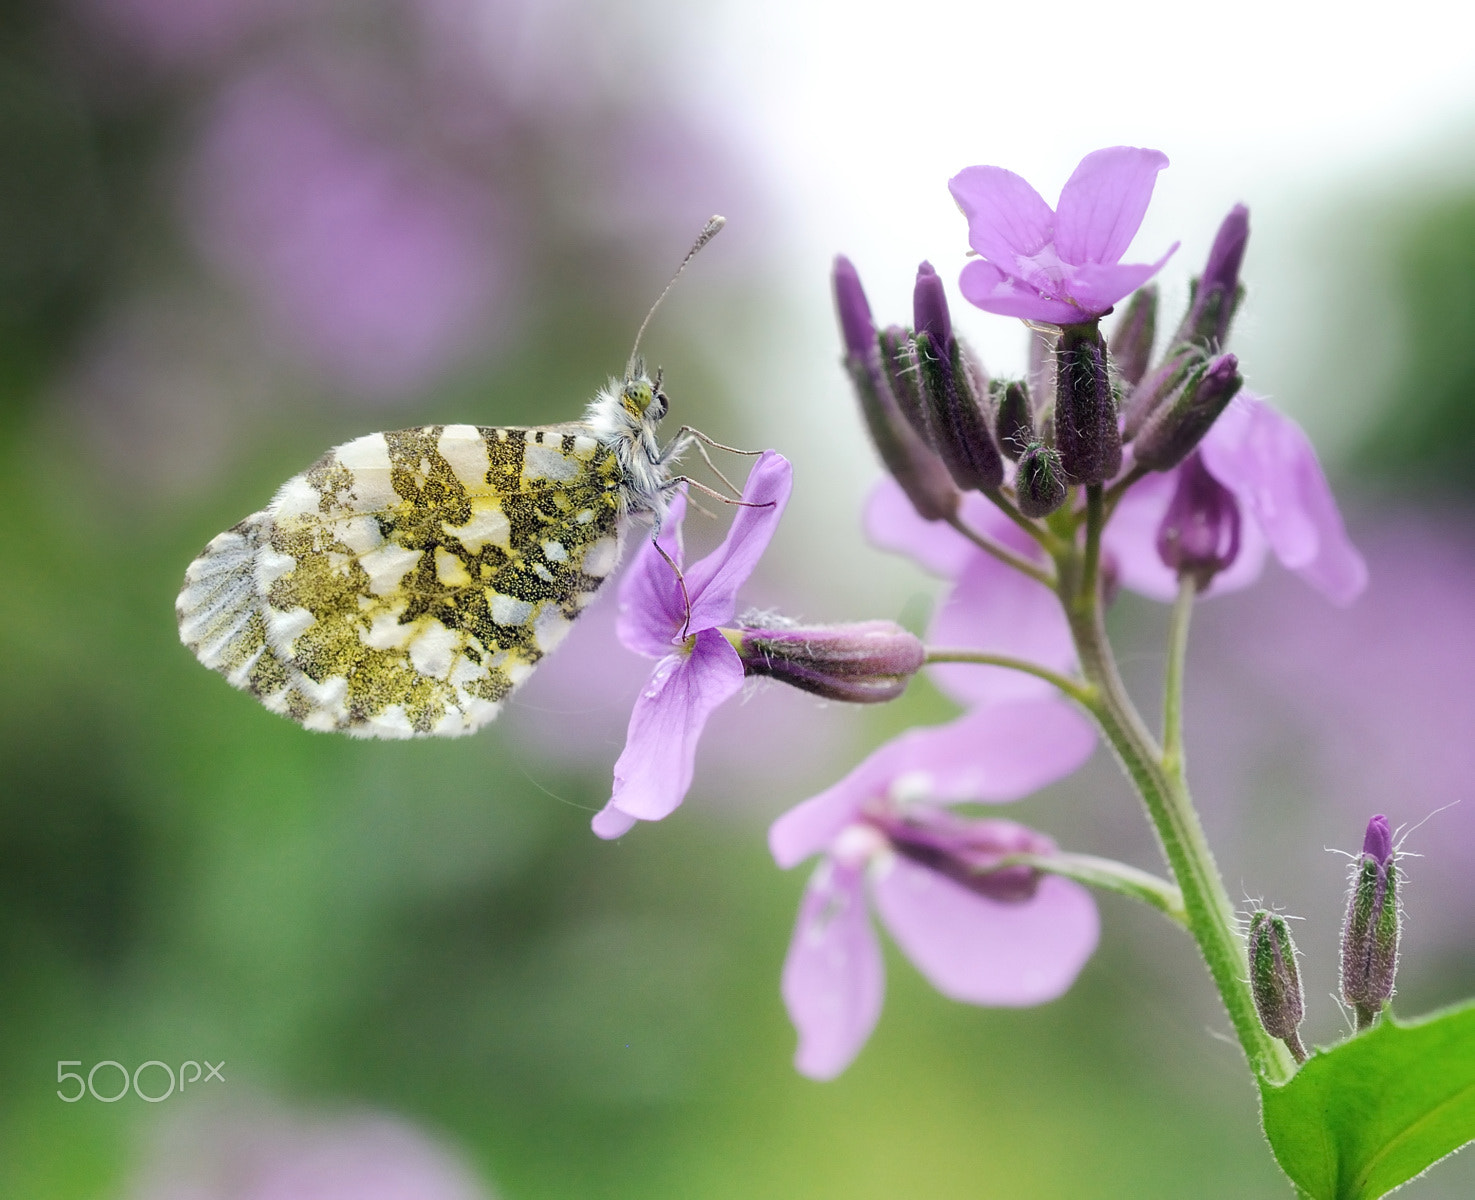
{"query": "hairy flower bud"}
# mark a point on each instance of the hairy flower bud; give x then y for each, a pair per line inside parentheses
(1131, 340)
(1217, 292)
(1039, 483)
(1151, 392)
(1274, 980)
(1014, 419)
(1199, 536)
(1086, 431)
(1177, 426)
(899, 362)
(960, 430)
(914, 466)
(1370, 933)
(865, 663)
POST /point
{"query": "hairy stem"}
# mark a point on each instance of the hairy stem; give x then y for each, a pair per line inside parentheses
(1211, 916)
(1173, 761)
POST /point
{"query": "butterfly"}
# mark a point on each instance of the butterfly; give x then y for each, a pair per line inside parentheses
(406, 582)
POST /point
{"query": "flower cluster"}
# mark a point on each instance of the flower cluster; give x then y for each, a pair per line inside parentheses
(1036, 500)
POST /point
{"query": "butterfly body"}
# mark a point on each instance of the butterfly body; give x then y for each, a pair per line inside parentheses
(407, 582)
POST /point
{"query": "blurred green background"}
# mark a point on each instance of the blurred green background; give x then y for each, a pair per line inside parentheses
(233, 234)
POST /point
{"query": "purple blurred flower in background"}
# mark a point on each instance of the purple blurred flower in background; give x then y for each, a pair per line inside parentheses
(698, 667)
(1063, 265)
(1012, 938)
(374, 263)
(235, 1155)
(990, 607)
(1266, 461)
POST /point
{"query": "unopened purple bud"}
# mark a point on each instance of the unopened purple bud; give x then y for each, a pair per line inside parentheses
(1370, 933)
(867, 662)
(1039, 483)
(1274, 980)
(1199, 536)
(1086, 430)
(1178, 425)
(968, 850)
(1131, 340)
(899, 361)
(929, 307)
(1014, 418)
(914, 466)
(1153, 390)
(1217, 292)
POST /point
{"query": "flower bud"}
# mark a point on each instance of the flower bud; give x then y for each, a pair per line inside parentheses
(1161, 383)
(1217, 292)
(1039, 483)
(1370, 933)
(1274, 980)
(899, 362)
(914, 466)
(1131, 340)
(960, 430)
(1086, 430)
(966, 849)
(865, 663)
(1179, 423)
(1014, 419)
(1199, 536)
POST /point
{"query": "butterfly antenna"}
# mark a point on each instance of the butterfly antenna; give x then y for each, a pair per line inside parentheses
(710, 230)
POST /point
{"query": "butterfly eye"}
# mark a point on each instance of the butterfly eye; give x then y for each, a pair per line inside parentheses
(658, 406)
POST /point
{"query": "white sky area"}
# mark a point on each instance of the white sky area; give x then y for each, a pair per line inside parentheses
(861, 111)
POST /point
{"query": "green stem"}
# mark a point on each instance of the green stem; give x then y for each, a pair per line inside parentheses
(1173, 762)
(1051, 544)
(1083, 693)
(1005, 555)
(1108, 875)
(1211, 915)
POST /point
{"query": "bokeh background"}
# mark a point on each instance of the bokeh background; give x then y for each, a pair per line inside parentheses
(236, 232)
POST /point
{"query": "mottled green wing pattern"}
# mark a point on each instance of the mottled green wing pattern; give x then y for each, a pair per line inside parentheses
(405, 583)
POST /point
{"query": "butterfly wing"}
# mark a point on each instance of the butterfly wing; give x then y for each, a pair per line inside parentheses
(405, 583)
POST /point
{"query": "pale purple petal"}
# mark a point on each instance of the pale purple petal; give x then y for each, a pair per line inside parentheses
(893, 524)
(1268, 462)
(713, 582)
(652, 610)
(996, 609)
(654, 772)
(610, 822)
(834, 979)
(810, 827)
(1096, 287)
(1130, 539)
(1103, 203)
(986, 951)
(985, 286)
(1007, 219)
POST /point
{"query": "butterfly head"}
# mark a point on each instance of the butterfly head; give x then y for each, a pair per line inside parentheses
(641, 397)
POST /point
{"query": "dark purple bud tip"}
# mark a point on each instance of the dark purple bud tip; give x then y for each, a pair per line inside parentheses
(855, 313)
(1199, 536)
(1228, 251)
(1179, 424)
(1086, 430)
(1217, 292)
(1378, 841)
(929, 308)
(1275, 981)
(866, 662)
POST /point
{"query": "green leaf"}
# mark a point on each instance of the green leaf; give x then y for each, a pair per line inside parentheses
(1363, 1117)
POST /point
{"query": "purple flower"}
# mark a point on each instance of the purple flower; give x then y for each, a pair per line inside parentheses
(698, 667)
(1062, 266)
(991, 606)
(1011, 938)
(1266, 461)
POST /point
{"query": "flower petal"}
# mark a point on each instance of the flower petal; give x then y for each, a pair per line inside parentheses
(1103, 203)
(986, 951)
(996, 609)
(654, 772)
(1268, 462)
(1097, 286)
(834, 979)
(985, 286)
(811, 826)
(713, 582)
(1007, 219)
(893, 524)
(652, 609)
(1130, 541)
